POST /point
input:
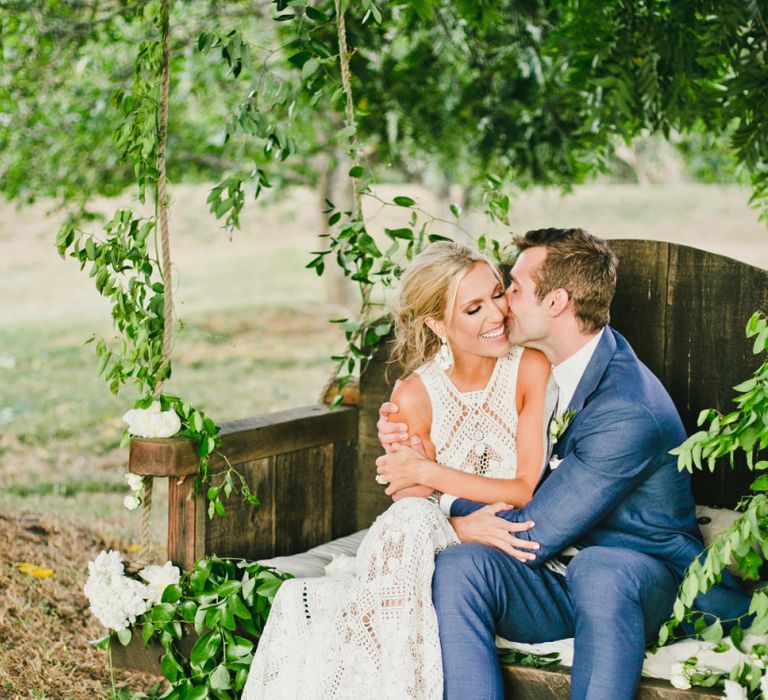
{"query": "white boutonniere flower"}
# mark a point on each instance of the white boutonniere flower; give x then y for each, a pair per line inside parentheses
(557, 426)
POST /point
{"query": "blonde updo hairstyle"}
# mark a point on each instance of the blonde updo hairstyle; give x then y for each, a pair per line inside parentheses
(428, 289)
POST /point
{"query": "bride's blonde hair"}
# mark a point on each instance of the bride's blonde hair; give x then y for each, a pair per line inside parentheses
(428, 289)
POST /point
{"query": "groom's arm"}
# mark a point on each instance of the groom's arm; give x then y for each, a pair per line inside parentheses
(620, 445)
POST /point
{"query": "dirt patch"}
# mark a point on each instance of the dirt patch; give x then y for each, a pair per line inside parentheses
(45, 623)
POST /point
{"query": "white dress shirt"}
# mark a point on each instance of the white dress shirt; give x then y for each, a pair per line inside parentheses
(567, 376)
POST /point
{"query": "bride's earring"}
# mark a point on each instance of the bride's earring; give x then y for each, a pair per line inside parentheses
(445, 356)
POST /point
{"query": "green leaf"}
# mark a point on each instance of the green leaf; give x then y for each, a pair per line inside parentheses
(357, 171)
(713, 633)
(402, 201)
(101, 642)
(205, 648)
(219, 679)
(172, 593)
(124, 636)
(346, 132)
(309, 68)
(760, 484)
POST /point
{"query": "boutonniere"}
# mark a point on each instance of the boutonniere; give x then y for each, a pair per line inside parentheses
(557, 426)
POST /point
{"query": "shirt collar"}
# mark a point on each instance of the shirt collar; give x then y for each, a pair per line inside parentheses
(569, 372)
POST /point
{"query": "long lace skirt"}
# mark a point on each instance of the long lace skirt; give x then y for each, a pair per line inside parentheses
(374, 633)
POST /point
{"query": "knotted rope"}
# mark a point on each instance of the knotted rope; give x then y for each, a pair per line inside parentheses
(165, 256)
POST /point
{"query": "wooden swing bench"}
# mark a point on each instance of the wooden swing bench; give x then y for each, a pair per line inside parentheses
(683, 310)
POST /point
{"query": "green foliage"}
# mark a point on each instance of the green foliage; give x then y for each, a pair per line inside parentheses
(745, 542)
(225, 603)
(513, 656)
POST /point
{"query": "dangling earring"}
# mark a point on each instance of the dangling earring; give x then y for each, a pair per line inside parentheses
(445, 356)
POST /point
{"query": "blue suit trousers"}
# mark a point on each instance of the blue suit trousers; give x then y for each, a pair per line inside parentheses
(612, 601)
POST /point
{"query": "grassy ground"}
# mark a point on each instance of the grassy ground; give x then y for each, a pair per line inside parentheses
(255, 339)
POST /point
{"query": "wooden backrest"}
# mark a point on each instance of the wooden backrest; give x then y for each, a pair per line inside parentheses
(683, 310)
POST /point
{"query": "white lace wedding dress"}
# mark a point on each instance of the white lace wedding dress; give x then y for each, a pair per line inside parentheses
(375, 634)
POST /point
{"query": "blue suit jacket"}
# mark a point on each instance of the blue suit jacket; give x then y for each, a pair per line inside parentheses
(617, 484)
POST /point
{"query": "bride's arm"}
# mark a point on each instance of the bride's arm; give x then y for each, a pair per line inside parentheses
(415, 410)
(406, 466)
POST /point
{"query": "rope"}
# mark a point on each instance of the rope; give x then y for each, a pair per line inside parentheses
(162, 215)
(346, 83)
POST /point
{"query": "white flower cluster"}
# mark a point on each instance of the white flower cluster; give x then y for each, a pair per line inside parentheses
(152, 422)
(136, 484)
(116, 599)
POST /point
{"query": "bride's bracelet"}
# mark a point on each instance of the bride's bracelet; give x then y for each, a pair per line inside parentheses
(435, 496)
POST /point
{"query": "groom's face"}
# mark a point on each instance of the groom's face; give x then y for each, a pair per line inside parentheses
(527, 319)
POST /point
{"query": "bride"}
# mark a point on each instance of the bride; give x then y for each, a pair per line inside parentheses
(475, 405)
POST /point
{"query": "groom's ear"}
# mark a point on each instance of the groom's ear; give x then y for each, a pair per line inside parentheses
(558, 301)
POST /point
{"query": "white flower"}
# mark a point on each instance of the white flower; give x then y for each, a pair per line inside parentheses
(131, 502)
(152, 422)
(341, 565)
(678, 677)
(734, 691)
(158, 578)
(115, 599)
(135, 482)
(764, 686)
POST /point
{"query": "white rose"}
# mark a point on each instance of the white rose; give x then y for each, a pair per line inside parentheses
(135, 482)
(733, 691)
(158, 578)
(341, 565)
(764, 686)
(152, 422)
(131, 502)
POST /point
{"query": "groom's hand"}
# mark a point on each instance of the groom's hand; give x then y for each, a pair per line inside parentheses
(485, 527)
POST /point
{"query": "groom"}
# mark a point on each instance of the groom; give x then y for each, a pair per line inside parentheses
(612, 491)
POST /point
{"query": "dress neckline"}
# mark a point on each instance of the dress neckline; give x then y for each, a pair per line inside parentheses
(475, 395)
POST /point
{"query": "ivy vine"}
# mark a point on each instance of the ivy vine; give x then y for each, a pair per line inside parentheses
(741, 431)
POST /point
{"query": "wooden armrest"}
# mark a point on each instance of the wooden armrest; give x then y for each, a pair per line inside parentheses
(246, 440)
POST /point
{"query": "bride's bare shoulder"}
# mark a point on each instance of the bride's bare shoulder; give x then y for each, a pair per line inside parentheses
(412, 400)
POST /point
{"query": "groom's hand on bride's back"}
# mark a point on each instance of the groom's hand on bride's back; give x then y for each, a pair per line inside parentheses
(485, 527)
(389, 431)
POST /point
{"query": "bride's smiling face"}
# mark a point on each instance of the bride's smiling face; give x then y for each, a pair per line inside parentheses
(478, 320)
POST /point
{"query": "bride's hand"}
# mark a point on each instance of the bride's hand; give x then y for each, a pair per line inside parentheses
(485, 527)
(401, 468)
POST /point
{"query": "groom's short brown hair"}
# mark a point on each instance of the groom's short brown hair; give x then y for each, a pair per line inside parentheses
(580, 263)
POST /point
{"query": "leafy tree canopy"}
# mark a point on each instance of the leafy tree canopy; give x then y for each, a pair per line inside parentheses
(535, 91)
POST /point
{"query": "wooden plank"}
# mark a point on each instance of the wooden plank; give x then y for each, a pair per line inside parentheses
(710, 299)
(247, 440)
(303, 501)
(344, 488)
(639, 307)
(246, 531)
(186, 522)
(375, 388)
(525, 683)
